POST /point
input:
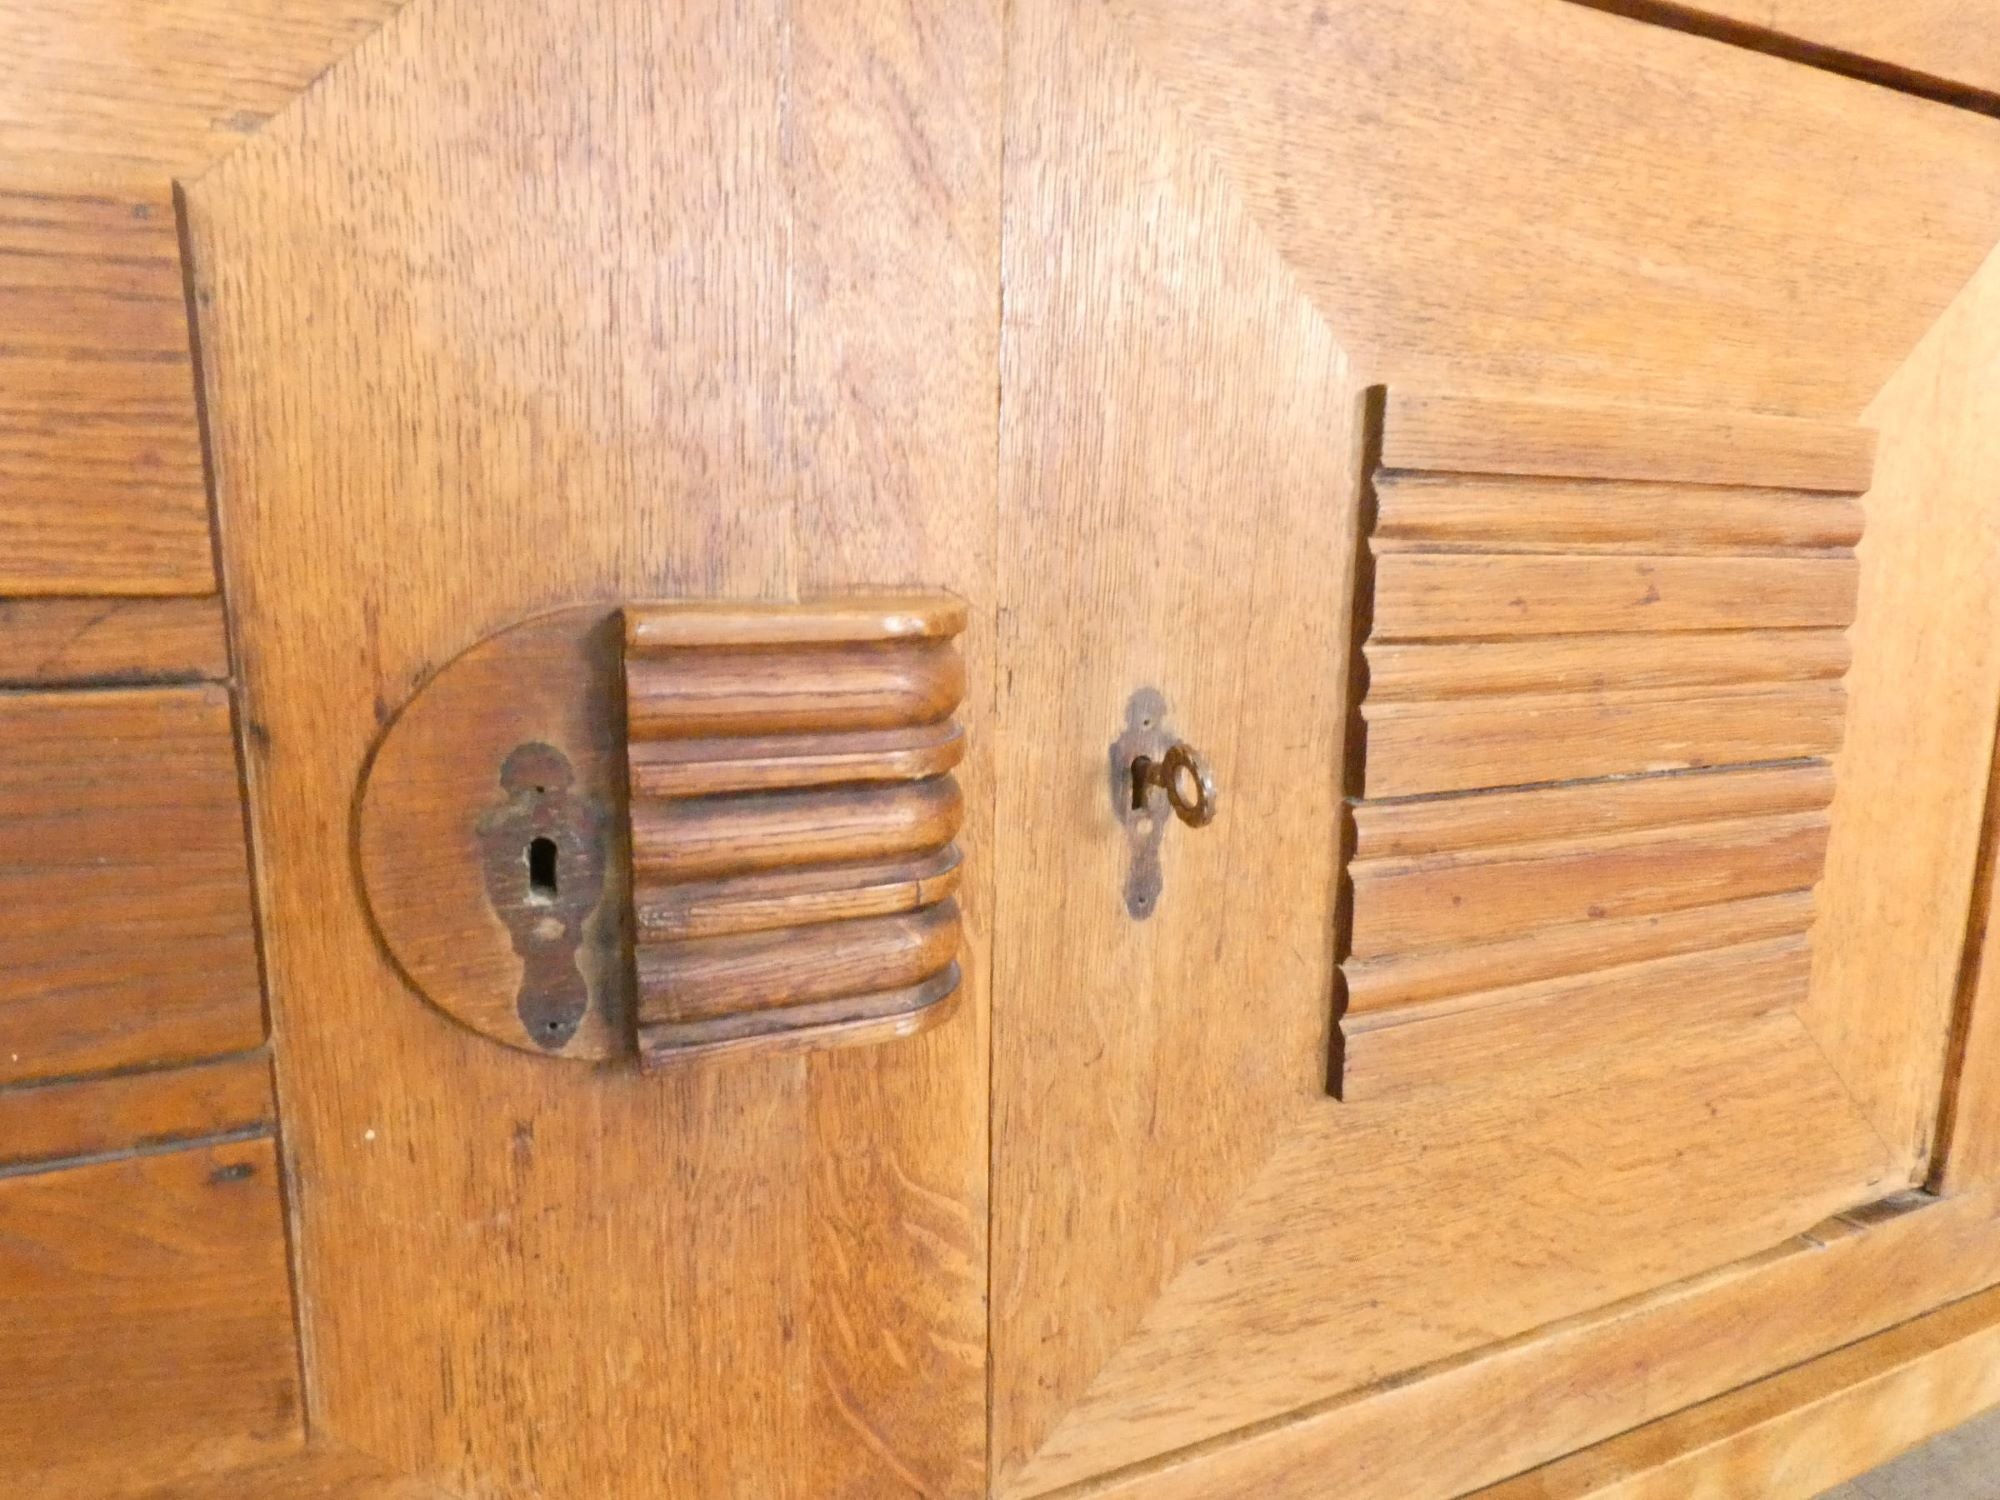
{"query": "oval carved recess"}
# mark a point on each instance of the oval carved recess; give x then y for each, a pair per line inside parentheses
(677, 830)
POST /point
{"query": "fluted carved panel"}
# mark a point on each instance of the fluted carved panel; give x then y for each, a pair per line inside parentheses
(1604, 654)
(792, 811)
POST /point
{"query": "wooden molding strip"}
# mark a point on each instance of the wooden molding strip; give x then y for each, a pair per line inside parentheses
(1470, 435)
(1431, 1434)
(1440, 825)
(1504, 514)
(1477, 744)
(44, 1125)
(1493, 595)
(107, 642)
(1407, 906)
(1452, 670)
(1800, 1433)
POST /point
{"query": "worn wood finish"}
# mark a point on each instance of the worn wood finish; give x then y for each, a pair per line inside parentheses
(1430, 597)
(1390, 830)
(1467, 969)
(1589, 1378)
(101, 487)
(1924, 697)
(145, 1322)
(100, 459)
(519, 738)
(732, 338)
(1721, 686)
(785, 898)
(1458, 745)
(134, 1111)
(129, 939)
(104, 642)
(1430, 510)
(1405, 905)
(1449, 434)
(1448, 670)
(1798, 1434)
(799, 697)
(710, 837)
(1438, 1047)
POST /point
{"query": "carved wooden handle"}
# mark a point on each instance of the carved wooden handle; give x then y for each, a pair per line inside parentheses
(676, 830)
(792, 811)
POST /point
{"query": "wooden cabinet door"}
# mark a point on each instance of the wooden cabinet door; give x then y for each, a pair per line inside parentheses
(1528, 685)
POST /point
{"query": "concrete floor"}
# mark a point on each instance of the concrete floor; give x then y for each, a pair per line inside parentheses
(1963, 1464)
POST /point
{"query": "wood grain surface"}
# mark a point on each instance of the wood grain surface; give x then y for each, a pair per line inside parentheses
(1604, 1373)
(713, 316)
(1446, 434)
(131, 939)
(1924, 697)
(135, 1111)
(1479, 198)
(1919, 43)
(145, 1322)
(101, 486)
(102, 642)
(1798, 1434)
(323, 1472)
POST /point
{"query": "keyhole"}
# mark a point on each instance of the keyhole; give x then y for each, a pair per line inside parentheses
(542, 869)
(1142, 776)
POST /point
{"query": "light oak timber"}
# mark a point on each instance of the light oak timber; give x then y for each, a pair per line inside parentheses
(145, 1321)
(1439, 825)
(100, 460)
(1943, 48)
(1402, 905)
(1605, 1372)
(103, 642)
(101, 486)
(1924, 697)
(325, 1471)
(1642, 1143)
(1209, 378)
(603, 397)
(1968, 1143)
(1401, 672)
(848, 1020)
(1430, 236)
(130, 939)
(824, 689)
(703, 838)
(1473, 744)
(781, 898)
(692, 768)
(1470, 435)
(1425, 1049)
(705, 978)
(1454, 596)
(44, 1123)
(1538, 514)
(655, 629)
(1801, 1433)
(1544, 952)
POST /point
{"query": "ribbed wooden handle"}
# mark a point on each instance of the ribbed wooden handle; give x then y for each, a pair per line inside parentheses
(792, 815)
(676, 830)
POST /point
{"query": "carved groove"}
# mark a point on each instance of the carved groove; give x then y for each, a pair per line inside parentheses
(793, 810)
(1602, 677)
